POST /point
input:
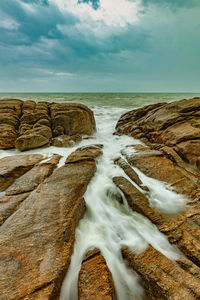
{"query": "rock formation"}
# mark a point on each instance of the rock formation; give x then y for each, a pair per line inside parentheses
(170, 153)
(28, 124)
(41, 204)
(39, 214)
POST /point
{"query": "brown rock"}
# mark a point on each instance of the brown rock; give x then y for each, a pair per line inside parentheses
(8, 135)
(189, 150)
(33, 117)
(9, 119)
(185, 169)
(189, 244)
(66, 141)
(34, 138)
(130, 172)
(154, 164)
(31, 179)
(28, 106)
(172, 124)
(163, 278)
(37, 243)
(12, 167)
(95, 279)
(12, 104)
(9, 204)
(73, 118)
(42, 122)
(31, 141)
(58, 130)
(87, 153)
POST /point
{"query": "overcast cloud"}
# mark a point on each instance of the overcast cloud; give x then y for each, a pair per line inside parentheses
(100, 45)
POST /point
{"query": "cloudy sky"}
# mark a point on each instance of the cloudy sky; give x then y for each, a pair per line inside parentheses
(100, 45)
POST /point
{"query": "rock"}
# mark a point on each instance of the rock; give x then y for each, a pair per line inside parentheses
(10, 111)
(34, 138)
(163, 278)
(58, 130)
(87, 153)
(66, 140)
(29, 125)
(34, 117)
(31, 179)
(12, 167)
(130, 172)
(73, 118)
(35, 128)
(8, 135)
(156, 165)
(31, 141)
(95, 279)
(9, 204)
(173, 124)
(189, 151)
(12, 104)
(189, 243)
(37, 242)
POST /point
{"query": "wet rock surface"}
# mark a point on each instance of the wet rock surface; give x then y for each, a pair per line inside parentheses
(169, 153)
(163, 278)
(27, 124)
(39, 214)
(95, 278)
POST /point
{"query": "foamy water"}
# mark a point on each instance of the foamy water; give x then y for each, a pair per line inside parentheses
(107, 224)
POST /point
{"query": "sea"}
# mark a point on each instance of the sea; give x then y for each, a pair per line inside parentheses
(107, 224)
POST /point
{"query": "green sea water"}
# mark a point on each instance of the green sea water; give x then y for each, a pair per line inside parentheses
(122, 100)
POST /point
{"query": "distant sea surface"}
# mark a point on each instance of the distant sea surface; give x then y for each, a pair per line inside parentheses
(121, 100)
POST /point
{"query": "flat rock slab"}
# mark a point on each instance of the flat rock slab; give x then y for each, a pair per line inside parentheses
(95, 279)
(12, 167)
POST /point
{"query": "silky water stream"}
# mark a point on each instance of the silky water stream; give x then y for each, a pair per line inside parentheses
(109, 225)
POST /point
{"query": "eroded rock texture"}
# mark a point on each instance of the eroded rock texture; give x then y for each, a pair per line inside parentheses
(10, 113)
(39, 214)
(95, 279)
(163, 278)
(170, 153)
(28, 124)
(175, 124)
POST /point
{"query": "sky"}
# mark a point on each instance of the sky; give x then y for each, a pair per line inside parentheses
(100, 46)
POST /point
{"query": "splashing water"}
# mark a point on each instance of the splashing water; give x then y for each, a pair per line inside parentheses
(108, 225)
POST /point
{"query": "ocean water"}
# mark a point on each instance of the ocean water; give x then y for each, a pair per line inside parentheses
(122, 100)
(107, 224)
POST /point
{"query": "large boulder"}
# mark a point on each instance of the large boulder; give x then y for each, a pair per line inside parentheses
(34, 138)
(72, 118)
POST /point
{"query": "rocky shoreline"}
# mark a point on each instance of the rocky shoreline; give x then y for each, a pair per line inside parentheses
(42, 203)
